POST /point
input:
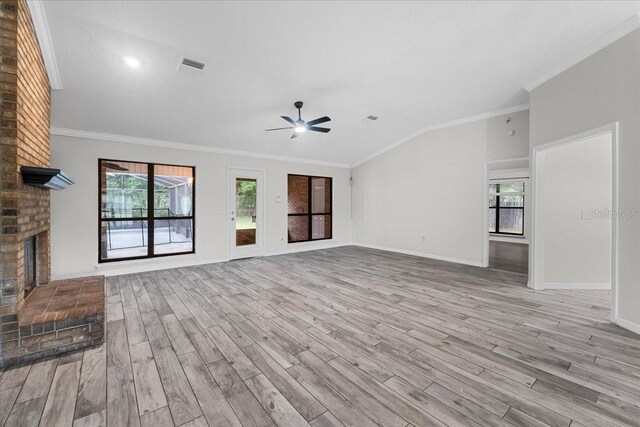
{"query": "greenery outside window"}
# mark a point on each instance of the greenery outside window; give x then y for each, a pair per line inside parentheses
(145, 210)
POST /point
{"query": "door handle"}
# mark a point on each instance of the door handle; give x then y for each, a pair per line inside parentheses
(232, 219)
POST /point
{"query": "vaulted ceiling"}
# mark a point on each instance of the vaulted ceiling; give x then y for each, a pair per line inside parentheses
(413, 64)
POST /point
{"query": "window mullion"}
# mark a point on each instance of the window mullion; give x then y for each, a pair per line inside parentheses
(498, 213)
(150, 211)
(310, 217)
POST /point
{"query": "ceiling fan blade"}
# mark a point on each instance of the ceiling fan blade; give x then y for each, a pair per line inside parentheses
(317, 129)
(318, 121)
(295, 135)
(267, 130)
(289, 119)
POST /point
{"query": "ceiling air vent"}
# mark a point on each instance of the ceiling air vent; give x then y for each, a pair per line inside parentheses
(372, 118)
(186, 62)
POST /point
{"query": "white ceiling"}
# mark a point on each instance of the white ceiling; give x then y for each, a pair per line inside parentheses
(414, 64)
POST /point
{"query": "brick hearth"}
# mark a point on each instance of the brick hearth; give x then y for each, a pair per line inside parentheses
(62, 316)
(64, 299)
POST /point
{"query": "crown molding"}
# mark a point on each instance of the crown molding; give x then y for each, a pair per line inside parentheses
(452, 123)
(41, 26)
(617, 33)
(99, 136)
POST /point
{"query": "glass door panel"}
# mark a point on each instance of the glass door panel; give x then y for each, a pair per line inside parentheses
(245, 201)
(246, 211)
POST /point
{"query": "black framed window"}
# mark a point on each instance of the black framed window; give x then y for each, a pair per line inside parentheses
(506, 208)
(309, 203)
(145, 210)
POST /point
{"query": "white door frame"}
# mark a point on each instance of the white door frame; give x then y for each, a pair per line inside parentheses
(248, 251)
(535, 239)
(485, 215)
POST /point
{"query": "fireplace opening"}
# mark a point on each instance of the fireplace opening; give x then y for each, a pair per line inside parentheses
(29, 264)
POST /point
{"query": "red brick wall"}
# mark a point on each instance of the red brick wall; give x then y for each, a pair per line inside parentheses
(34, 149)
(246, 237)
(298, 202)
(298, 228)
(298, 194)
(24, 133)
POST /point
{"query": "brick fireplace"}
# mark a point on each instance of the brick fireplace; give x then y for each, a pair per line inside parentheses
(25, 257)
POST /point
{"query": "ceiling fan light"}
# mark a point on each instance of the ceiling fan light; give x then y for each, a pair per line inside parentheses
(131, 61)
(300, 129)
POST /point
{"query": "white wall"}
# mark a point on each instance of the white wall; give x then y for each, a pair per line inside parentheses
(74, 211)
(506, 174)
(574, 190)
(433, 186)
(602, 89)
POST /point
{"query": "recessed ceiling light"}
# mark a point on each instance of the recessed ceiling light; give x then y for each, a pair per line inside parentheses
(131, 61)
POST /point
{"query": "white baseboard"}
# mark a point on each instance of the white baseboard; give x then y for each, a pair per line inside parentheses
(141, 266)
(309, 246)
(163, 263)
(421, 254)
(631, 326)
(577, 286)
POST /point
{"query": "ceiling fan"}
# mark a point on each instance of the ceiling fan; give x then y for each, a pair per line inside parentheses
(299, 126)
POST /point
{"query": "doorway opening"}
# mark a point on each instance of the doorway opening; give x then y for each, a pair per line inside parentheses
(507, 215)
(246, 213)
(575, 214)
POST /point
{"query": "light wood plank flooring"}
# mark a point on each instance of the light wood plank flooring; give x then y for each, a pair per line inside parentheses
(509, 256)
(346, 336)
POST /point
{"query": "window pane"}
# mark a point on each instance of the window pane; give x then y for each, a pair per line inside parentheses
(298, 194)
(321, 195)
(512, 187)
(124, 195)
(298, 228)
(124, 189)
(172, 191)
(511, 221)
(246, 211)
(321, 227)
(172, 235)
(511, 200)
(123, 239)
(492, 201)
(492, 220)
(493, 188)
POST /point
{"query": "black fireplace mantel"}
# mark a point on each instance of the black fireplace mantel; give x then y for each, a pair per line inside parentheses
(53, 179)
